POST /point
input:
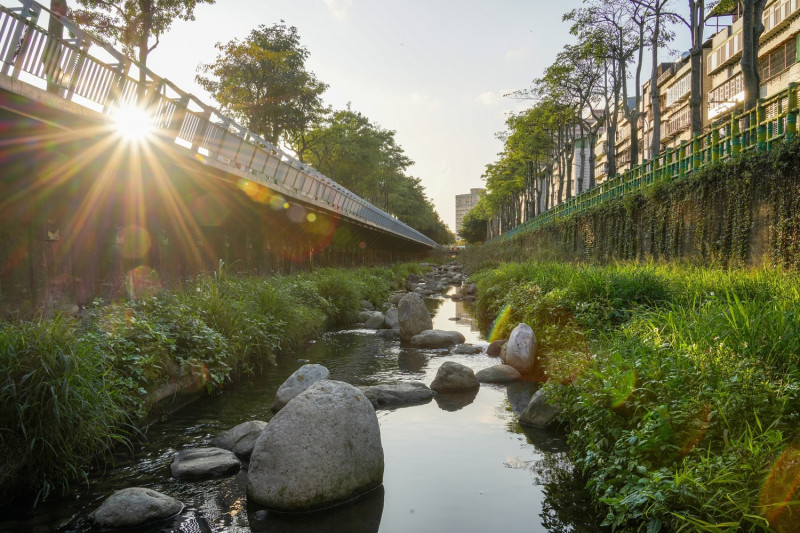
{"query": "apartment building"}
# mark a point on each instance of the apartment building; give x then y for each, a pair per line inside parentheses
(465, 202)
(721, 82)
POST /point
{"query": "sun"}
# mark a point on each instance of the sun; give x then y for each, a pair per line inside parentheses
(133, 123)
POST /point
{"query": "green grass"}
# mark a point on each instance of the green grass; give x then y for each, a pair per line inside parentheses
(683, 386)
(72, 389)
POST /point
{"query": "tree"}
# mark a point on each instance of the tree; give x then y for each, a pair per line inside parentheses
(752, 28)
(473, 226)
(366, 159)
(263, 82)
(135, 23)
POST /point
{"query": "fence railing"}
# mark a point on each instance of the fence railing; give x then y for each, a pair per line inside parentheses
(773, 120)
(85, 70)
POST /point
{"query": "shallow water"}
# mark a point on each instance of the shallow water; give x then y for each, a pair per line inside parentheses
(458, 463)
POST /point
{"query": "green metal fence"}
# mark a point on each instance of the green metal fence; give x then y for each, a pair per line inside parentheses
(773, 120)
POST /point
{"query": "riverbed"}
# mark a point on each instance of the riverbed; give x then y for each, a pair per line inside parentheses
(458, 463)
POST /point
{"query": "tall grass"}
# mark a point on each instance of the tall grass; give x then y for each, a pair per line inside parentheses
(685, 408)
(60, 404)
(71, 389)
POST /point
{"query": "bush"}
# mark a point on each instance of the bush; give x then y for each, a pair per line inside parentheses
(60, 405)
(684, 409)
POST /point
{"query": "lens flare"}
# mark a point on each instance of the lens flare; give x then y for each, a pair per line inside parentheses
(501, 324)
(142, 282)
(134, 242)
(778, 499)
(621, 387)
(696, 430)
(133, 123)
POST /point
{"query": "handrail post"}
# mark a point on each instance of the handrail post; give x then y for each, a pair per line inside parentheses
(715, 146)
(29, 16)
(761, 121)
(791, 116)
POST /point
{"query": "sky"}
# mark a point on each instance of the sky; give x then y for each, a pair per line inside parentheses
(436, 72)
(433, 71)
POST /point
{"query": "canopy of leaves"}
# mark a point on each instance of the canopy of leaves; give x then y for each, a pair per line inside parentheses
(366, 159)
(473, 226)
(262, 81)
(133, 23)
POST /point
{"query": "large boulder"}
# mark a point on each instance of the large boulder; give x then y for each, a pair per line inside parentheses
(436, 338)
(392, 318)
(134, 506)
(520, 350)
(300, 380)
(240, 439)
(413, 316)
(540, 412)
(322, 449)
(498, 374)
(395, 394)
(203, 463)
(453, 376)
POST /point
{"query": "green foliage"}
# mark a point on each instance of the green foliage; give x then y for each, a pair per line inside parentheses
(262, 80)
(133, 24)
(60, 405)
(473, 227)
(71, 389)
(687, 408)
(365, 158)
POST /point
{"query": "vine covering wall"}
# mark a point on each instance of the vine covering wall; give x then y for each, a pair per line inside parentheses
(740, 212)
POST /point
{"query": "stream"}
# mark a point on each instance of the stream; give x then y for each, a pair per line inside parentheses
(458, 463)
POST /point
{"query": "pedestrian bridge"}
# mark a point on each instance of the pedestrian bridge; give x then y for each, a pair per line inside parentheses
(81, 202)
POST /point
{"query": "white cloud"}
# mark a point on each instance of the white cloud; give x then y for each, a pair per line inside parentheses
(339, 8)
(490, 98)
(423, 100)
(516, 55)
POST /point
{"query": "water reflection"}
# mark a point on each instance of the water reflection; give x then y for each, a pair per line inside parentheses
(461, 463)
(454, 401)
(361, 516)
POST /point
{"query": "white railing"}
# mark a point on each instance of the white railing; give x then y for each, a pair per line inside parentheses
(91, 73)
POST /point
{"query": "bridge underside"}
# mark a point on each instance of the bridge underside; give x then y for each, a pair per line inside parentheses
(85, 213)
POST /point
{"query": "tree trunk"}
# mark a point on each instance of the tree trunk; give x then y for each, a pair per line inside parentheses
(146, 9)
(752, 28)
(696, 16)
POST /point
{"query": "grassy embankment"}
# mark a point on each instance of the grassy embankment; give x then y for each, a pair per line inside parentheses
(682, 393)
(73, 388)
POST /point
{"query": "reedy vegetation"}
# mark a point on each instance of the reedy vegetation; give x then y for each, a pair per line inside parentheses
(682, 391)
(71, 389)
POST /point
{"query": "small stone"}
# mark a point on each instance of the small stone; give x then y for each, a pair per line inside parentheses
(453, 376)
(395, 394)
(467, 349)
(240, 439)
(495, 348)
(498, 374)
(300, 380)
(203, 462)
(540, 412)
(135, 506)
(435, 338)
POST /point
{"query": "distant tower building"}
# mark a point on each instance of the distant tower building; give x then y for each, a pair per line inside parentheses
(465, 202)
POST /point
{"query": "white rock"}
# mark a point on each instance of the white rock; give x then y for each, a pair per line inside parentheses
(435, 338)
(413, 316)
(453, 376)
(300, 380)
(322, 449)
(134, 506)
(520, 350)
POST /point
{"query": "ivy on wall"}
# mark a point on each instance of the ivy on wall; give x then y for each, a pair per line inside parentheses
(742, 211)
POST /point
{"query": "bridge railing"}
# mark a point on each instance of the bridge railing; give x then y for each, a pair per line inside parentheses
(85, 70)
(773, 120)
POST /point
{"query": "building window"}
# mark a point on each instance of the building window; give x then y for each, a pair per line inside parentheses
(783, 57)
